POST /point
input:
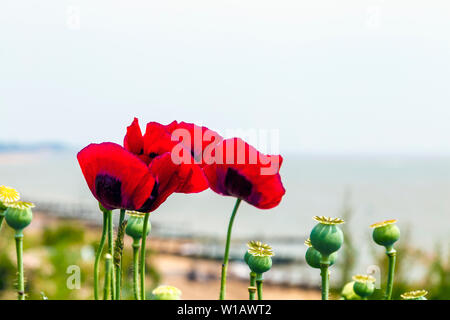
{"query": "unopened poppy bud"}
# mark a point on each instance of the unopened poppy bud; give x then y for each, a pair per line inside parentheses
(326, 237)
(414, 295)
(7, 195)
(364, 285)
(386, 233)
(135, 225)
(18, 215)
(313, 257)
(167, 293)
(348, 293)
(259, 257)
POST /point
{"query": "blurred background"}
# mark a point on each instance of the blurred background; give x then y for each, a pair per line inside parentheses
(357, 92)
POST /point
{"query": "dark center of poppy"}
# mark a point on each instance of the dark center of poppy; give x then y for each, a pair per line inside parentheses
(149, 202)
(153, 155)
(108, 190)
(237, 185)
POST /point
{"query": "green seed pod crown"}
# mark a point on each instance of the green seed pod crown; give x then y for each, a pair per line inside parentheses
(18, 215)
(414, 295)
(7, 195)
(313, 257)
(385, 233)
(326, 237)
(135, 225)
(167, 293)
(364, 285)
(259, 257)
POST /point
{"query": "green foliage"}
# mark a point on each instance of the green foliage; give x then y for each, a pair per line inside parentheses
(438, 277)
(7, 270)
(66, 234)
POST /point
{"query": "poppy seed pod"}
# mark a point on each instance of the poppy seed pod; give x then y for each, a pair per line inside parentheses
(313, 257)
(167, 293)
(364, 285)
(259, 257)
(257, 247)
(386, 233)
(326, 237)
(260, 264)
(18, 215)
(247, 256)
(414, 295)
(135, 225)
(348, 293)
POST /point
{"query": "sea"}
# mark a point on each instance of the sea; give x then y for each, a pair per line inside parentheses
(415, 190)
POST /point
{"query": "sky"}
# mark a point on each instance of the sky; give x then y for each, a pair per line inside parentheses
(330, 76)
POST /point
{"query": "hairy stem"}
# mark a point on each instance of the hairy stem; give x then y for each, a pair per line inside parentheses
(118, 253)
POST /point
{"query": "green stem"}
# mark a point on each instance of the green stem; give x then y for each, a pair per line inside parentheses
(2, 217)
(259, 286)
(325, 280)
(119, 263)
(136, 246)
(19, 251)
(111, 252)
(142, 261)
(223, 281)
(251, 289)
(390, 281)
(98, 254)
(108, 267)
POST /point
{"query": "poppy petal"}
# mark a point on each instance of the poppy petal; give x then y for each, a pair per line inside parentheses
(133, 141)
(116, 177)
(157, 140)
(165, 172)
(243, 172)
(195, 138)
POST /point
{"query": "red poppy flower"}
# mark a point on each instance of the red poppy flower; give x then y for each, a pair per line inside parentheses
(237, 169)
(118, 179)
(199, 140)
(158, 139)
